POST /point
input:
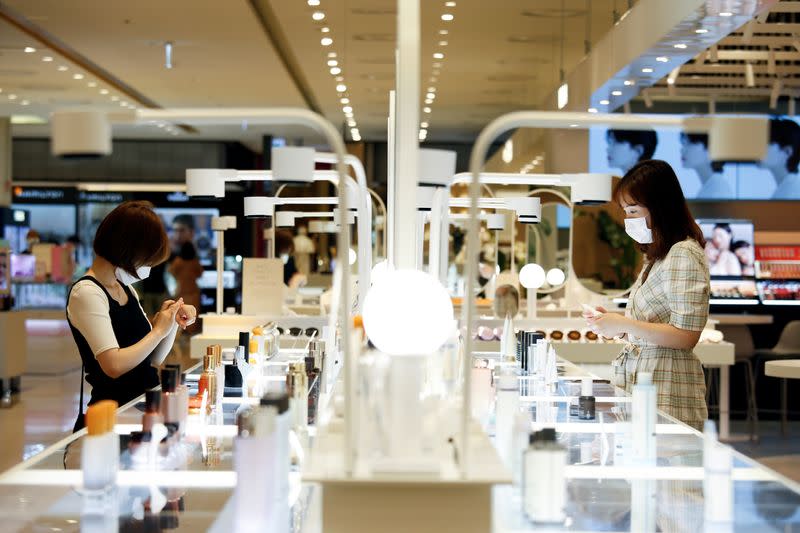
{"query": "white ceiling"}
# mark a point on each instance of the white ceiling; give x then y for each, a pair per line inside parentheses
(500, 56)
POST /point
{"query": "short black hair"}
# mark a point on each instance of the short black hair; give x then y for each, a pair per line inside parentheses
(740, 244)
(724, 226)
(702, 138)
(647, 139)
(186, 220)
(786, 133)
(132, 236)
(187, 252)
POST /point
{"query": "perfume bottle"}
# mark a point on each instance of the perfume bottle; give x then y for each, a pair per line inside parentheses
(152, 410)
(170, 399)
(312, 374)
(100, 451)
(586, 401)
(297, 389)
(210, 374)
(506, 409)
(544, 486)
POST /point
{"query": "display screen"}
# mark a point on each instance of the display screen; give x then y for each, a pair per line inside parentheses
(775, 177)
(23, 267)
(55, 223)
(730, 249)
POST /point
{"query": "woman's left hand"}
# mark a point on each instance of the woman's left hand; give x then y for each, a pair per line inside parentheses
(609, 325)
(186, 316)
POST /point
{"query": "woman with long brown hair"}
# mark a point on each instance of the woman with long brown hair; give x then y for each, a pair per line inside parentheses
(668, 305)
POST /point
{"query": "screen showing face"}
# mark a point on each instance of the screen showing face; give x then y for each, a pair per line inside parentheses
(729, 248)
(190, 225)
(775, 177)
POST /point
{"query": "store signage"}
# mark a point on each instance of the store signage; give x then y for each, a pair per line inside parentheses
(102, 197)
(60, 195)
(177, 197)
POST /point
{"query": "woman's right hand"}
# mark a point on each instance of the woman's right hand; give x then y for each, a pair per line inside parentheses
(164, 319)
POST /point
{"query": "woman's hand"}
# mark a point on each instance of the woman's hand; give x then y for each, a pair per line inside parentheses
(163, 320)
(609, 325)
(186, 316)
(592, 315)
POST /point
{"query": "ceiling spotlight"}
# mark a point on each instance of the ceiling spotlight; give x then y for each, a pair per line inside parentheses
(604, 102)
(430, 95)
(318, 15)
(447, 17)
(647, 70)
(345, 100)
(336, 70)
(592, 110)
(351, 123)
(423, 125)
(628, 83)
(442, 43)
(12, 96)
(701, 30)
(325, 29)
(47, 59)
(103, 91)
(438, 55)
(339, 78)
(348, 115)
(347, 109)
(426, 109)
(63, 68)
(428, 101)
(313, 3)
(92, 84)
(662, 59)
(616, 93)
(77, 76)
(431, 89)
(573, 125)
(679, 46)
(332, 62)
(450, 4)
(341, 88)
(29, 49)
(326, 41)
(331, 54)
(443, 32)
(726, 14)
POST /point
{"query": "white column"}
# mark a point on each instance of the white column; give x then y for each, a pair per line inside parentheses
(406, 134)
(5, 161)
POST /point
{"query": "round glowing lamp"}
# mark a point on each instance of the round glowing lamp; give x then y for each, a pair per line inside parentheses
(555, 277)
(352, 256)
(532, 276)
(379, 270)
(408, 312)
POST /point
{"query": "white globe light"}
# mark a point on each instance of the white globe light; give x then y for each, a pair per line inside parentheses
(555, 277)
(408, 312)
(532, 276)
(352, 257)
(379, 270)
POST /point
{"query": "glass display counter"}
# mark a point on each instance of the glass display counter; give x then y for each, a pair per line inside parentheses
(44, 494)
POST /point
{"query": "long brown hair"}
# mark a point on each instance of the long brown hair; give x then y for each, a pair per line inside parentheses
(654, 185)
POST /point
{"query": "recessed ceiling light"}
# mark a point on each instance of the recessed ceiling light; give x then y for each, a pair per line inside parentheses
(423, 125)
(123, 104)
(592, 110)
(347, 109)
(349, 115)
(443, 32)
(318, 15)
(325, 29)
(331, 54)
(341, 88)
(604, 102)
(12, 96)
(78, 76)
(628, 83)
(437, 65)
(701, 30)
(332, 62)
(450, 4)
(433, 79)
(430, 95)
(339, 78)
(726, 14)
(103, 91)
(647, 70)
(426, 109)
(345, 100)
(313, 3)
(92, 84)
(29, 49)
(351, 123)
(63, 68)
(428, 101)
(438, 55)
(114, 98)
(679, 46)
(447, 17)
(335, 70)
(326, 41)
(47, 59)
(662, 59)
(573, 125)
(616, 93)
(431, 89)
(24, 102)
(442, 43)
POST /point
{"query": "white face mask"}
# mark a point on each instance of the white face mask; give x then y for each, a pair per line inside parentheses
(126, 279)
(637, 229)
(285, 258)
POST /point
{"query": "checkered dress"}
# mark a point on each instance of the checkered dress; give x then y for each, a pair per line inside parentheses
(676, 292)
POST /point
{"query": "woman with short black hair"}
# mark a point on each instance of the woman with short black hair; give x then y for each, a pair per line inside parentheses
(119, 347)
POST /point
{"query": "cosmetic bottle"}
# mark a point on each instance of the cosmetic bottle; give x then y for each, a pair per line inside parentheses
(506, 409)
(254, 462)
(312, 375)
(279, 401)
(100, 451)
(219, 371)
(297, 389)
(544, 485)
(586, 401)
(170, 399)
(717, 482)
(183, 400)
(210, 374)
(152, 410)
(643, 434)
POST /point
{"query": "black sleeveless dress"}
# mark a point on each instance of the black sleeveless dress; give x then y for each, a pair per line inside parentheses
(130, 326)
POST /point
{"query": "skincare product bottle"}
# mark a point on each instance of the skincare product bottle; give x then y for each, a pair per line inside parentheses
(219, 370)
(643, 434)
(312, 375)
(544, 486)
(254, 462)
(152, 410)
(210, 374)
(297, 388)
(279, 401)
(100, 451)
(183, 400)
(717, 482)
(170, 399)
(586, 401)
(506, 409)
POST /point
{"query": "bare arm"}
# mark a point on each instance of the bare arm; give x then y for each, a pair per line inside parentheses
(665, 335)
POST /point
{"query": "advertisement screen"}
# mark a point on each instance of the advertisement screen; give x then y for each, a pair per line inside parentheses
(775, 177)
(730, 248)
